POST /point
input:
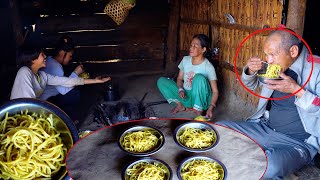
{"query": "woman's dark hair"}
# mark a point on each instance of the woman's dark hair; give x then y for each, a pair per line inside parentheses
(65, 43)
(26, 54)
(204, 42)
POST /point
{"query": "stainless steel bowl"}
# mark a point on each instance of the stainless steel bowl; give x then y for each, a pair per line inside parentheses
(63, 124)
(198, 125)
(165, 166)
(222, 168)
(262, 79)
(158, 133)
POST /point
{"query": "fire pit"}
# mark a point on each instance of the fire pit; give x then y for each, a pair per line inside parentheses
(106, 113)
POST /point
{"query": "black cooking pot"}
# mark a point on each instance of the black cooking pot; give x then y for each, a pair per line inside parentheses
(112, 93)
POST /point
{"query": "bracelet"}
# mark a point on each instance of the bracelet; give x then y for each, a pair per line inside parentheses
(181, 89)
(213, 105)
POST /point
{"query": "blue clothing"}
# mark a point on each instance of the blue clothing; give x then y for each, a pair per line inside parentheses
(53, 67)
(284, 117)
(68, 103)
(67, 98)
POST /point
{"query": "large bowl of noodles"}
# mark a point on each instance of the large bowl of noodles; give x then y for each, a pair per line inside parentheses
(201, 167)
(35, 137)
(141, 140)
(196, 136)
(147, 168)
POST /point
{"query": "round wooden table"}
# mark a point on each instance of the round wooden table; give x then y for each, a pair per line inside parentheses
(98, 156)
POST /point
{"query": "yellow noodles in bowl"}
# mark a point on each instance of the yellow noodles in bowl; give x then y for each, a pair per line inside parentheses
(201, 169)
(273, 71)
(140, 141)
(147, 171)
(196, 138)
(30, 147)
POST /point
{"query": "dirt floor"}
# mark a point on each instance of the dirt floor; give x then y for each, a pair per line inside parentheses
(133, 88)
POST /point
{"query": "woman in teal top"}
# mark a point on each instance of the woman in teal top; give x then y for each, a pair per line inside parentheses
(196, 85)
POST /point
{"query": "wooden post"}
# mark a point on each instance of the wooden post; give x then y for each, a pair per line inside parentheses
(296, 14)
(172, 41)
(16, 23)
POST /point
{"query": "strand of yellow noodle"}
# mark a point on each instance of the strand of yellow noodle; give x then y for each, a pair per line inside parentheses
(197, 138)
(147, 171)
(30, 147)
(140, 141)
(201, 170)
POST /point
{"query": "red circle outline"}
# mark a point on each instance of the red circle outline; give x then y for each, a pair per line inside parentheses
(270, 29)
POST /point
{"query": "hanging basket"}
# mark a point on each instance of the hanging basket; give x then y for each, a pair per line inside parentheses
(129, 1)
(118, 10)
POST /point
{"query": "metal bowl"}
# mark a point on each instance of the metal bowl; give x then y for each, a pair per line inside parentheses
(222, 168)
(137, 128)
(63, 122)
(198, 125)
(262, 79)
(165, 166)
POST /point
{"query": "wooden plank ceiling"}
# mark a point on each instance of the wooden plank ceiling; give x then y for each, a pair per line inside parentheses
(138, 44)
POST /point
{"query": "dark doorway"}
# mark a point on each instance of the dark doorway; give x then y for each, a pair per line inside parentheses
(311, 33)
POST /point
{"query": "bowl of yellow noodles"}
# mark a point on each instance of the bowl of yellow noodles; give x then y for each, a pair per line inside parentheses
(35, 137)
(201, 167)
(272, 72)
(195, 136)
(141, 140)
(147, 168)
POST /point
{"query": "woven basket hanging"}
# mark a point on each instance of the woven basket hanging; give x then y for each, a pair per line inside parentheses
(118, 10)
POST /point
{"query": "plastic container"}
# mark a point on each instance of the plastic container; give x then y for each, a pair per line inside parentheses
(111, 94)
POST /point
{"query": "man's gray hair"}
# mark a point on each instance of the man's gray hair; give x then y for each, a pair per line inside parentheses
(287, 39)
